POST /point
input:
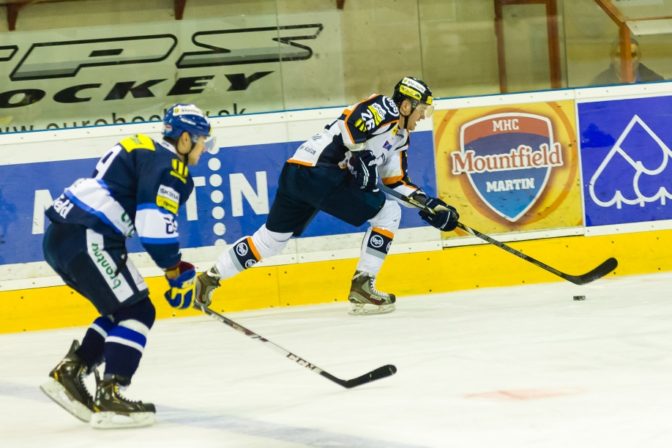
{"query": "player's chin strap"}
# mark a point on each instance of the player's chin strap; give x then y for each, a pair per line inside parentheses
(186, 156)
(406, 116)
(405, 126)
(414, 105)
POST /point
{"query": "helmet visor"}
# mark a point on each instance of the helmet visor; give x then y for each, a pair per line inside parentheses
(425, 110)
(210, 144)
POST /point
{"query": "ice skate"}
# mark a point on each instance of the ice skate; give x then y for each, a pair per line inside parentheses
(66, 385)
(112, 410)
(366, 299)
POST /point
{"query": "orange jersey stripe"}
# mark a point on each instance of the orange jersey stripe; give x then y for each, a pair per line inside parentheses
(299, 162)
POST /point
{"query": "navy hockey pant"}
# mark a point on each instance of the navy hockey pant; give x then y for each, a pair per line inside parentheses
(97, 267)
(303, 191)
(94, 265)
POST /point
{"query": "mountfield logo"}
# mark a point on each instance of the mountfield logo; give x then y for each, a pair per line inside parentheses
(66, 60)
(507, 158)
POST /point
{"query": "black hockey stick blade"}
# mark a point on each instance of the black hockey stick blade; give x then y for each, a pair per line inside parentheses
(600, 271)
(376, 374)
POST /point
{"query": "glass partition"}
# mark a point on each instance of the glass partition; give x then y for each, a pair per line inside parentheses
(107, 62)
(593, 38)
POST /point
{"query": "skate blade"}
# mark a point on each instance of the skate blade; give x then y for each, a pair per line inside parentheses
(113, 420)
(366, 309)
(55, 390)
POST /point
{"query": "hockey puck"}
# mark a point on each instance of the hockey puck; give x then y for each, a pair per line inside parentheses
(579, 297)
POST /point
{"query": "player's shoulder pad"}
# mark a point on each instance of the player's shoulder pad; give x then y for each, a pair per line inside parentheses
(389, 106)
(138, 141)
(374, 112)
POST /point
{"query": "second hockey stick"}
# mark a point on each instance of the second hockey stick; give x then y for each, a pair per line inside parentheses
(376, 374)
(600, 271)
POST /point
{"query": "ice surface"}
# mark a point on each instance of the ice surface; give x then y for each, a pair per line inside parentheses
(515, 367)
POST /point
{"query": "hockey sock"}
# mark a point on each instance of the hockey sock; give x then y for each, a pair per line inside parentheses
(126, 342)
(248, 251)
(376, 245)
(91, 350)
(244, 254)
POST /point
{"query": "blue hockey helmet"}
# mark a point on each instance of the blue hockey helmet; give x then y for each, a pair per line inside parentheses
(188, 118)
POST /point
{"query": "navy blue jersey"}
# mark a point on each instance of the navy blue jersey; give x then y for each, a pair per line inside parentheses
(136, 189)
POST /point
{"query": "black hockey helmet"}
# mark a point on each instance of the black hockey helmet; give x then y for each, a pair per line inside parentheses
(413, 89)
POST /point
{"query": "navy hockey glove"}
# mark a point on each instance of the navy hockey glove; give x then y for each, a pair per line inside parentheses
(444, 218)
(362, 165)
(181, 279)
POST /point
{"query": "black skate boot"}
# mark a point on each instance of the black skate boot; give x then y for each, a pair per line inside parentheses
(366, 299)
(66, 385)
(112, 410)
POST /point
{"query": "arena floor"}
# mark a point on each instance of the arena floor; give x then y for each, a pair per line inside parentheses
(509, 367)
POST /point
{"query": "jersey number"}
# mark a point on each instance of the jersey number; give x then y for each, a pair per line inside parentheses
(104, 163)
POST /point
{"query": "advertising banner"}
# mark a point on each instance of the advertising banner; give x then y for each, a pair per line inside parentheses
(626, 160)
(512, 168)
(101, 75)
(234, 190)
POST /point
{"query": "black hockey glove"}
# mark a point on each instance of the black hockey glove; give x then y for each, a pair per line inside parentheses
(362, 165)
(445, 216)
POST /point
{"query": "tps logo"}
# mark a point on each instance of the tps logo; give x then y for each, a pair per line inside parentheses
(507, 158)
(229, 48)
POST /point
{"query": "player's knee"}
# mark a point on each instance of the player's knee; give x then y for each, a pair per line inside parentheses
(388, 217)
(270, 243)
(143, 311)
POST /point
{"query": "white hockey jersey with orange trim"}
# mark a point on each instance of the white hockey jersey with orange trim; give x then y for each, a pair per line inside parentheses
(372, 124)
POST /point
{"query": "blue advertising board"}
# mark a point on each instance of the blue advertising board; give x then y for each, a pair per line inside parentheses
(234, 190)
(626, 160)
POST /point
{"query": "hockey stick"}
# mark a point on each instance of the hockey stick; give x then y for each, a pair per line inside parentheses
(600, 271)
(376, 374)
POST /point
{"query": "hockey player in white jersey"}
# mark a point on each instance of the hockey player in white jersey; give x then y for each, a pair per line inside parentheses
(136, 188)
(337, 171)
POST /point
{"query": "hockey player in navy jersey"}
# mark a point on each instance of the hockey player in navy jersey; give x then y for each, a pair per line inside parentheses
(337, 171)
(136, 188)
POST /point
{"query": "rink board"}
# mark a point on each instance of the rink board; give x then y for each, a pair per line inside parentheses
(450, 269)
(234, 189)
